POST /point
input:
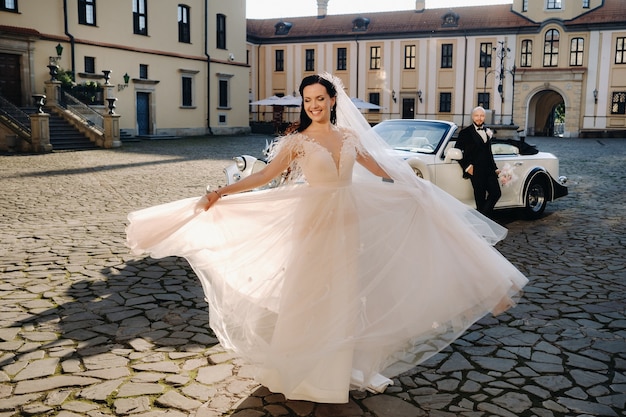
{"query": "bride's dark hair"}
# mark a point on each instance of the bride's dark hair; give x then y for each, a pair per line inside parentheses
(305, 120)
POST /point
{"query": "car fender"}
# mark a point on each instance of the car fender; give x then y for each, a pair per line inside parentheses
(536, 173)
(418, 164)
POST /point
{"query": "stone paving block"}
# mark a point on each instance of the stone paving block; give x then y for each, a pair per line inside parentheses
(104, 361)
(52, 383)
(36, 408)
(168, 367)
(200, 391)
(212, 374)
(79, 406)
(587, 407)
(172, 399)
(134, 389)
(15, 401)
(125, 406)
(37, 369)
(100, 391)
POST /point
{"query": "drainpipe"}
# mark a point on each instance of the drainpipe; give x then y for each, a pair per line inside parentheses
(356, 40)
(258, 79)
(464, 83)
(208, 66)
(68, 34)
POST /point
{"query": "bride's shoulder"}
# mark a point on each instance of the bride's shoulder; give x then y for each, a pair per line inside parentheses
(291, 142)
(290, 139)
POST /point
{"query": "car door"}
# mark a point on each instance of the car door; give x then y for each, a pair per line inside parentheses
(509, 161)
(449, 177)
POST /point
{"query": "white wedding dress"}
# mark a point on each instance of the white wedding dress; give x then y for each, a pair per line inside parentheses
(326, 283)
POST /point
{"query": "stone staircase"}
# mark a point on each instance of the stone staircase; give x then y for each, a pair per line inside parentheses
(63, 136)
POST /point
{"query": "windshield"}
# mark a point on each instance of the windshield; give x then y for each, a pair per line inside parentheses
(413, 135)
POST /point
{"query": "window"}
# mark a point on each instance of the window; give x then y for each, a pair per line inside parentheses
(90, 65)
(374, 99)
(446, 55)
(375, 57)
(221, 31)
(184, 28)
(360, 24)
(553, 4)
(585, 4)
(620, 51)
(342, 59)
(279, 60)
(187, 90)
(140, 17)
(486, 50)
(87, 12)
(309, 60)
(551, 48)
(450, 20)
(525, 5)
(8, 5)
(576, 52)
(445, 102)
(618, 103)
(526, 59)
(409, 56)
(483, 100)
(143, 71)
(282, 28)
(223, 93)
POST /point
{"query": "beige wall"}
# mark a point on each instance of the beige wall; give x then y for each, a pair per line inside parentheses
(537, 11)
(115, 47)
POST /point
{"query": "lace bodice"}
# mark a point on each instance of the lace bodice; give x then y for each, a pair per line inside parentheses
(315, 162)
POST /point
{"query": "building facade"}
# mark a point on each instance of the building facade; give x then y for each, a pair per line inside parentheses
(176, 68)
(547, 66)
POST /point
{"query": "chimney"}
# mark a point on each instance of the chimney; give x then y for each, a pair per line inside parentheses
(322, 8)
(420, 6)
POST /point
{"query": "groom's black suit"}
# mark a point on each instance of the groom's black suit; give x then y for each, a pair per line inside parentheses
(477, 152)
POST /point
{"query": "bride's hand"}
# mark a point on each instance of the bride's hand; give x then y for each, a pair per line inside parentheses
(209, 199)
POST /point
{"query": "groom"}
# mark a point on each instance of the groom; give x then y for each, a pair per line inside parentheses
(478, 164)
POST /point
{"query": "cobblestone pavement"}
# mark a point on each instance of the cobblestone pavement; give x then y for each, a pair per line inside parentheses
(88, 330)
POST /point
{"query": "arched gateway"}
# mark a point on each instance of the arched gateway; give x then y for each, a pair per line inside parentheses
(545, 111)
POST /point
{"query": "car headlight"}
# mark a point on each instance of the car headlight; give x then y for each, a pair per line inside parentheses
(418, 172)
(240, 162)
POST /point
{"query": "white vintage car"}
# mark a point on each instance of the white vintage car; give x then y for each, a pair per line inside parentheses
(529, 179)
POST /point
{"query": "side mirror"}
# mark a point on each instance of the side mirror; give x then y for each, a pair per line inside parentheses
(453, 154)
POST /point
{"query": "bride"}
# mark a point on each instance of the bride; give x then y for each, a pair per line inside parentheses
(351, 273)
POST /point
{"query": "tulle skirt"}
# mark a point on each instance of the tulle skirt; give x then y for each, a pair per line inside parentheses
(323, 288)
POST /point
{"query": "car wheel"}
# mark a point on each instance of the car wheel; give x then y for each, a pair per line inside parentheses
(536, 197)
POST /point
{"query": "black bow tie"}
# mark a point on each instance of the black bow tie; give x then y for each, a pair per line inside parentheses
(480, 128)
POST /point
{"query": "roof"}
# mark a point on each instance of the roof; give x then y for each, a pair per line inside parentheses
(484, 20)
(612, 11)
(14, 30)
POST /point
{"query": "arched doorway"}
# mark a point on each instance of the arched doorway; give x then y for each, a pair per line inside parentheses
(546, 114)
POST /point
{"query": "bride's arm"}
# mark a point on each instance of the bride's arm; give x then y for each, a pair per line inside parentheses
(372, 166)
(276, 167)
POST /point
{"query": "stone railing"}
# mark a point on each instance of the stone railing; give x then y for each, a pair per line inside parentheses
(15, 119)
(85, 113)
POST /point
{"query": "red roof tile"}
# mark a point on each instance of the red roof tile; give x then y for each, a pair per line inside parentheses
(472, 19)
